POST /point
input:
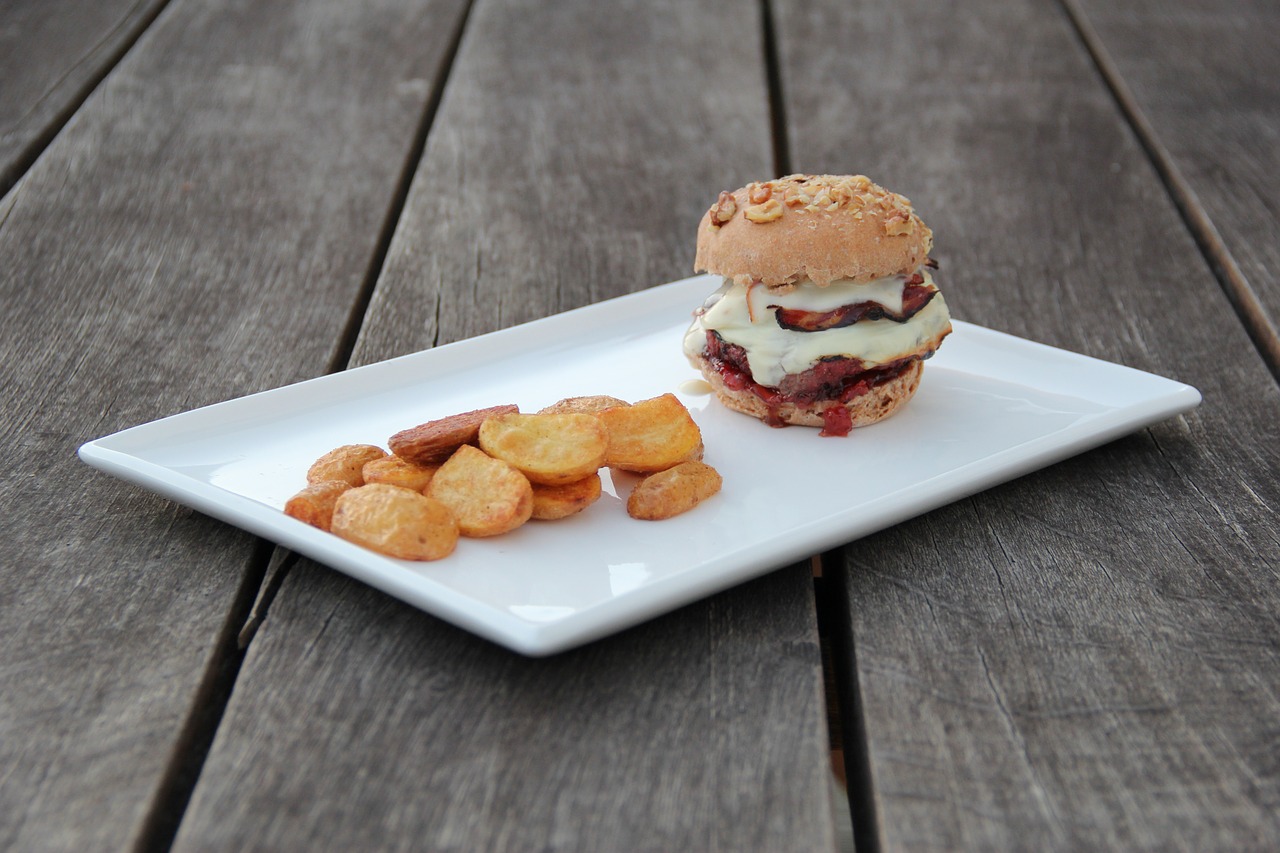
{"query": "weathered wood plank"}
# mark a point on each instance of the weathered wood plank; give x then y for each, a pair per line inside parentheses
(358, 722)
(52, 53)
(576, 147)
(201, 229)
(1085, 658)
(1202, 80)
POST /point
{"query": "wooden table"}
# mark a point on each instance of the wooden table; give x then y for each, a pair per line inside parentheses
(203, 200)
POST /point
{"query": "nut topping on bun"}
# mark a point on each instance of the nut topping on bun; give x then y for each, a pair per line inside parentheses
(828, 305)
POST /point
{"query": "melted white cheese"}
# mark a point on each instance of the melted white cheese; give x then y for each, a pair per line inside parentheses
(809, 297)
(741, 315)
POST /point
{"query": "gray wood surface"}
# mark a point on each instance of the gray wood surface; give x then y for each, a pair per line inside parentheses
(52, 54)
(1085, 658)
(1202, 80)
(571, 159)
(201, 229)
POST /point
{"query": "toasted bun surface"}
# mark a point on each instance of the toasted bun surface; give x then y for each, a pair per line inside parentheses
(877, 404)
(820, 227)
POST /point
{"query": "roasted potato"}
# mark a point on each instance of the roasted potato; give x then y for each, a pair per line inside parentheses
(583, 405)
(548, 449)
(314, 504)
(344, 463)
(486, 495)
(397, 522)
(435, 441)
(673, 491)
(394, 471)
(552, 502)
(651, 435)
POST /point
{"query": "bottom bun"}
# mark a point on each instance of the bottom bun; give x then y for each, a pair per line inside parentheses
(875, 405)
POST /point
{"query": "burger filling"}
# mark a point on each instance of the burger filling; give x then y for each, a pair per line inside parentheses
(915, 295)
(809, 345)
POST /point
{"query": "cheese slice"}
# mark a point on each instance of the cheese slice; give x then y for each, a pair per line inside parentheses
(745, 315)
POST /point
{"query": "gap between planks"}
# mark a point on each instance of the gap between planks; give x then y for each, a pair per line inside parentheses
(28, 155)
(286, 560)
(1235, 285)
(160, 825)
(773, 79)
(283, 561)
(835, 734)
(846, 799)
(850, 762)
(346, 345)
(269, 564)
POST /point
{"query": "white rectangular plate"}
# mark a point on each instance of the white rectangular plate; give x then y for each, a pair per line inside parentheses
(990, 408)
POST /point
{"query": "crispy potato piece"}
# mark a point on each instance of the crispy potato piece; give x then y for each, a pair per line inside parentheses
(651, 435)
(673, 491)
(583, 405)
(552, 502)
(344, 463)
(397, 522)
(435, 441)
(548, 449)
(314, 504)
(394, 471)
(486, 495)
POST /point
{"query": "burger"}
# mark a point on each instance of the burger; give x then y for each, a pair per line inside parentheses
(828, 308)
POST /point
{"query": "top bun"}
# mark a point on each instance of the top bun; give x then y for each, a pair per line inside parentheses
(819, 227)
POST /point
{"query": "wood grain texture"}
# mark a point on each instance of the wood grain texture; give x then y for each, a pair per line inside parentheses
(570, 169)
(1202, 81)
(575, 149)
(201, 229)
(1085, 658)
(360, 723)
(52, 53)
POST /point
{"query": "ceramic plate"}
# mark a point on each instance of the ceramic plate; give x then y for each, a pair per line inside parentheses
(990, 408)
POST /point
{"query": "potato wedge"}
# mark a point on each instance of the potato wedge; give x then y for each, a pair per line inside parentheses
(344, 463)
(487, 496)
(394, 471)
(673, 491)
(435, 441)
(314, 504)
(554, 502)
(583, 405)
(548, 449)
(651, 435)
(396, 522)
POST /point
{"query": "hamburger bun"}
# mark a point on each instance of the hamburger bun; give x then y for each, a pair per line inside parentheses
(816, 227)
(828, 307)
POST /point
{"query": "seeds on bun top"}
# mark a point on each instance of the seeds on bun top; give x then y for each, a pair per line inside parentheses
(820, 227)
